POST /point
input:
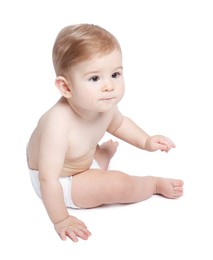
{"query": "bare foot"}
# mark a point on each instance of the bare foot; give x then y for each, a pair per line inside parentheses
(104, 153)
(169, 188)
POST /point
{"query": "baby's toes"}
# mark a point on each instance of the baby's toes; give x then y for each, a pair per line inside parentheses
(115, 144)
(177, 183)
(178, 191)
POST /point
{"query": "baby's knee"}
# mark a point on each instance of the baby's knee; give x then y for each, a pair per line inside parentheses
(123, 187)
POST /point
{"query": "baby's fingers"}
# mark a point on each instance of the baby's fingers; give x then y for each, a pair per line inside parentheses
(165, 144)
(62, 235)
(72, 235)
(75, 232)
(164, 148)
(170, 144)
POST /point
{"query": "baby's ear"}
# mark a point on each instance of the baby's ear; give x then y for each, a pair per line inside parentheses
(63, 87)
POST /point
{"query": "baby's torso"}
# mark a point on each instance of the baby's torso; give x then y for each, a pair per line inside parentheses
(82, 147)
(73, 166)
(82, 139)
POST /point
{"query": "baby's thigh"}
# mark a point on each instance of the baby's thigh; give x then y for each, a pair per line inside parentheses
(97, 187)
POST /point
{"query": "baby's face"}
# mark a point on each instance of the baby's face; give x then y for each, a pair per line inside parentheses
(97, 84)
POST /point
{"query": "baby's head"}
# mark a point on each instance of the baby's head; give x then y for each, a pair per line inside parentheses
(77, 43)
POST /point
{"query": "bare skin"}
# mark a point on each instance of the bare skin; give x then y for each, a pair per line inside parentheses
(169, 188)
(66, 146)
(104, 153)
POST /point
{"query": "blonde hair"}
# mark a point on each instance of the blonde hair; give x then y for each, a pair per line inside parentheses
(76, 43)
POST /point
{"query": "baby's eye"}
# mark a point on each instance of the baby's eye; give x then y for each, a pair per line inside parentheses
(94, 78)
(116, 75)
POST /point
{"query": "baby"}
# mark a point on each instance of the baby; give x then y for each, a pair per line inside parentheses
(89, 75)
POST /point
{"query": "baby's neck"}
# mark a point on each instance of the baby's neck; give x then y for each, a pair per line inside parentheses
(82, 114)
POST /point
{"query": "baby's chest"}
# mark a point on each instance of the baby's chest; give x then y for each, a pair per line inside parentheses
(83, 143)
(84, 137)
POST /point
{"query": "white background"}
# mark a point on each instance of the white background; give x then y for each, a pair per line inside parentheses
(168, 64)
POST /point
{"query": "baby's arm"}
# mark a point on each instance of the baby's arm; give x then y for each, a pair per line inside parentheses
(125, 129)
(51, 157)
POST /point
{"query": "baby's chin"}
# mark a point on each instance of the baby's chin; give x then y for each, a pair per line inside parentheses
(106, 107)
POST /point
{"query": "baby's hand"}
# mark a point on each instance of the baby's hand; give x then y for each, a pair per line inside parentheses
(73, 228)
(158, 142)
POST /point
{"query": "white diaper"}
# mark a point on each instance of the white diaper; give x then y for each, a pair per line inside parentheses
(66, 183)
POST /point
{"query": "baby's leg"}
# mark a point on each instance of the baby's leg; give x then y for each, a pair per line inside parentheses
(104, 153)
(96, 187)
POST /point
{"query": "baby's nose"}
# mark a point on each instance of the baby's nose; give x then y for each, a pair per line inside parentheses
(108, 86)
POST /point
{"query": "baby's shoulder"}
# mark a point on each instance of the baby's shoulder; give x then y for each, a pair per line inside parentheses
(57, 116)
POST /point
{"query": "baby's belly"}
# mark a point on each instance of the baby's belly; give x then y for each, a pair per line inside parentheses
(74, 167)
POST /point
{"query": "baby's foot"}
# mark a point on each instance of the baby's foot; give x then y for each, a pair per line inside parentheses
(105, 152)
(169, 188)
